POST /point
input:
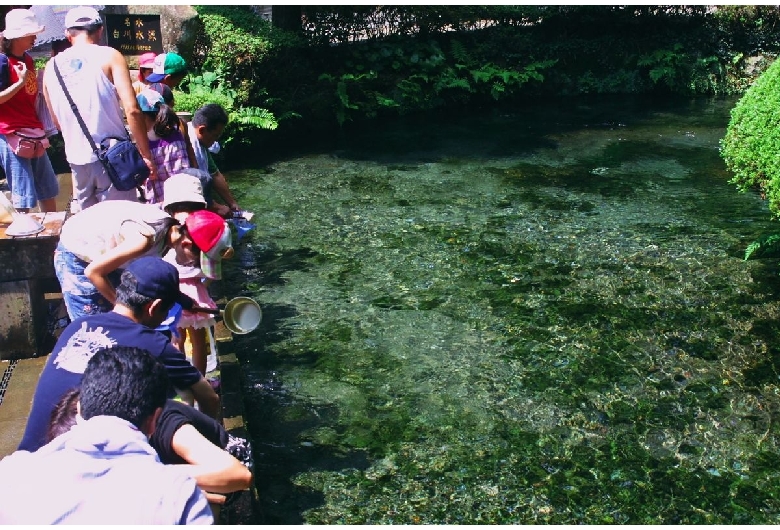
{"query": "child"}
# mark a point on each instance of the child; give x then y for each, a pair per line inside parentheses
(167, 95)
(145, 65)
(183, 197)
(166, 142)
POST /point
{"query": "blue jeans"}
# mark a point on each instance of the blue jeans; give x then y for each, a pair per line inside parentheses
(80, 295)
(30, 179)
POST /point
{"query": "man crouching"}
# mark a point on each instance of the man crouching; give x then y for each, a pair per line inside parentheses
(103, 471)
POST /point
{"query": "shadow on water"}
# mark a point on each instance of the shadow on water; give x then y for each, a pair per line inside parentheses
(468, 133)
(276, 420)
(279, 422)
(543, 125)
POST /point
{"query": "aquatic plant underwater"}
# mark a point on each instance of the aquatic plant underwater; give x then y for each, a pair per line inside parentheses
(536, 316)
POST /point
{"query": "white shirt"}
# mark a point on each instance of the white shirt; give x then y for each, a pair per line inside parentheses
(102, 471)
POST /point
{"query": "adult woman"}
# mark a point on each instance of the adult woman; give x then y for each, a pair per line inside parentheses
(98, 242)
(31, 178)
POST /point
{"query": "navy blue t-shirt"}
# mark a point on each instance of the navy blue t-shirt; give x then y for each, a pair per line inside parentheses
(76, 346)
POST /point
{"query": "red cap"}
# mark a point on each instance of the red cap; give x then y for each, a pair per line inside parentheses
(205, 228)
(212, 236)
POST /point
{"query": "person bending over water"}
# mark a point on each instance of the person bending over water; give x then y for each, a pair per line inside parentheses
(98, 242)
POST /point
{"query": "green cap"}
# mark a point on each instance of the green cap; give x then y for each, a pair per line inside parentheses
(166, 64)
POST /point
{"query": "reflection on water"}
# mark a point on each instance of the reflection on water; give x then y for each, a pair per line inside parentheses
(533, 316)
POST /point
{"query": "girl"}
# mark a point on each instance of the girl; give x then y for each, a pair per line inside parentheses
(183, 197)
(166, 142)
(145, 65)
(31, 179)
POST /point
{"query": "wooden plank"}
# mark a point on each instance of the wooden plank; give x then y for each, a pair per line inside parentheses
(52, 223)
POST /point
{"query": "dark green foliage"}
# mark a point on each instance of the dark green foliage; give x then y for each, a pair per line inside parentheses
(235, 42)
(765, 247)
(364, 62)
(407, 75)
(680, 71)
(751, 146)
(198, 90)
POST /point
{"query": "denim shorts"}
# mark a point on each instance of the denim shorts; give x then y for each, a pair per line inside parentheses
(30, 179)
(80, 295)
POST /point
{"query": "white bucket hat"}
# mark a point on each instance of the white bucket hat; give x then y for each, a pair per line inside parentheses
(21, 23)
(182, 187)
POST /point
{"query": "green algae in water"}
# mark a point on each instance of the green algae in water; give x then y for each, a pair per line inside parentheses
(559, 330)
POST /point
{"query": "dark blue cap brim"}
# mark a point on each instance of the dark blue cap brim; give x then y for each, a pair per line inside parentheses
(155, 78)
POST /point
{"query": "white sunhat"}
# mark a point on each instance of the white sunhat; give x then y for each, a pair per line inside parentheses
(182, 187)
(21, 23)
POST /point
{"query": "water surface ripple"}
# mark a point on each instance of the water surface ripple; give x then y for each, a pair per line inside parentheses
(539, 315)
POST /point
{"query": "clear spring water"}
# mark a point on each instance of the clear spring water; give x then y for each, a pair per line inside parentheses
(538, 315)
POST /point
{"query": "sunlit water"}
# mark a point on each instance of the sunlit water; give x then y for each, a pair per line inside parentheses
(539, 315)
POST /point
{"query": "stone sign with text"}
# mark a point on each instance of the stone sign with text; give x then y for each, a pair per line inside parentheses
(134, 34)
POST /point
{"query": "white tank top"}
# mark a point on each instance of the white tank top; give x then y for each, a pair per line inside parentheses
(95, 97)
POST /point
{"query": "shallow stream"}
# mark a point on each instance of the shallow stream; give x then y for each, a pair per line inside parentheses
(537, 315)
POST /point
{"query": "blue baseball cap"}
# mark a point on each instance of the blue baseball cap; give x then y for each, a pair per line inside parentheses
(149, 100)
(164, 90)
(156, 278)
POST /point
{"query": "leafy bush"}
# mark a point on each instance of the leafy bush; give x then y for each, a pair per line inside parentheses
(683, 71)
(234, 43)
(199, 90)
(751, 145)
(409, 75)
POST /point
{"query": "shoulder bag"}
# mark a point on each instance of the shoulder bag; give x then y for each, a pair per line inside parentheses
(121, 159)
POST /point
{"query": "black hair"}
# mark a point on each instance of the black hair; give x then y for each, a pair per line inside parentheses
(63, 416)
(211, 115)
(60, 45)
(92, 30)
(166, 122)
(162, 228)
(184, 206)
(128, 297)
(125, 382)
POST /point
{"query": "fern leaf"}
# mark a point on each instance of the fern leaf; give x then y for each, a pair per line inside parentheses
(255, 117)
(764, 247)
